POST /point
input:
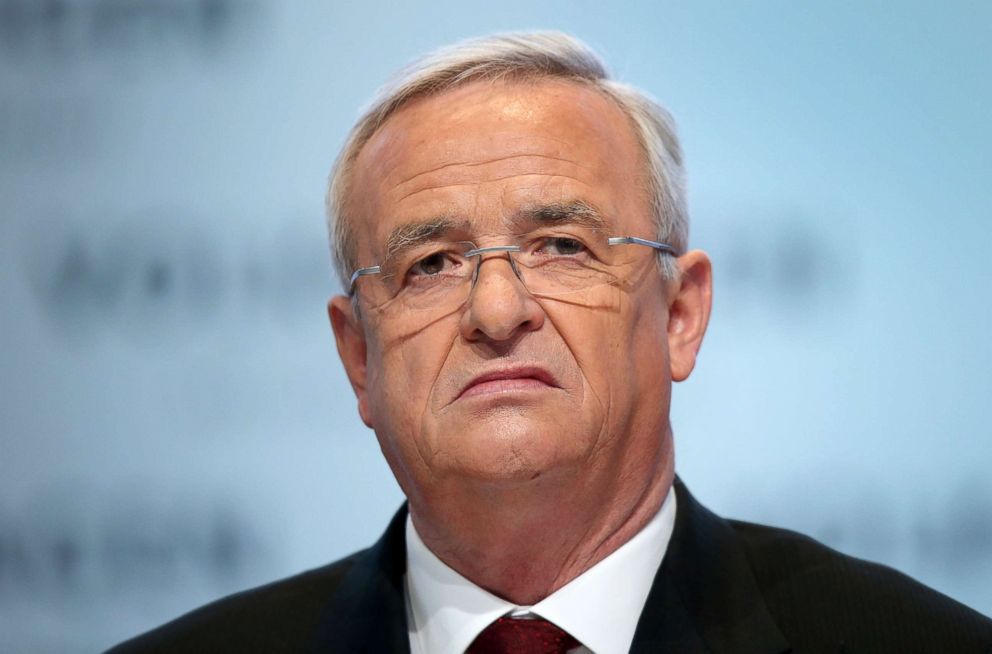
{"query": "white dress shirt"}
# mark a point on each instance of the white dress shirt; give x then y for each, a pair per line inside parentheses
(600, 607)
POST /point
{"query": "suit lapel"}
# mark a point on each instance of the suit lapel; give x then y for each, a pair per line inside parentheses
(704, 597)
(368, 610)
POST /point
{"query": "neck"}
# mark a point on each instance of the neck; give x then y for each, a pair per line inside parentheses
(524, 541)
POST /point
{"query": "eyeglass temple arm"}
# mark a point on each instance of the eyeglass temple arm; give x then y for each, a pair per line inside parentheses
(633, 240)
(371, 270)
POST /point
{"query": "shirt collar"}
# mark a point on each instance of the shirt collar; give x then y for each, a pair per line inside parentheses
(600, 607)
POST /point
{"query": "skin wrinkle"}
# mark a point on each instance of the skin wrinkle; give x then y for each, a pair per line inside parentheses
(582, 467)
(402, 338)
(438, 448)
(563, 299)
(514, 451)
(643, 498)
(641, 179)
(568, 212)
(604, 442)
(424, 458)
(586, 385)
(572, 555)
(495, 179)
(469, 164)
(575, 555)
(374, 313)
(397, 460)
(571, 212)
(416, 233)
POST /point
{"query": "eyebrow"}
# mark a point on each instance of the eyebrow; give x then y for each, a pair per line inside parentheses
(410, 235)
(570, 212)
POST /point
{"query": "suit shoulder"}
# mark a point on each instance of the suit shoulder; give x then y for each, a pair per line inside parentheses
(817, 593)
(275, 617)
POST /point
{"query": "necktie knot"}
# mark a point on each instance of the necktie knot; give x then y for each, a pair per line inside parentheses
(522, 636)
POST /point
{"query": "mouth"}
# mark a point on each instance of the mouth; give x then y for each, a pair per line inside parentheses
(523, 378)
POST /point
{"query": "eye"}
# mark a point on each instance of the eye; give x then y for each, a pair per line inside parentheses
(435, 264)
(429, 265)
(563, 246)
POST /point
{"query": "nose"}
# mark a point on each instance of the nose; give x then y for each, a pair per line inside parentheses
(499, 306)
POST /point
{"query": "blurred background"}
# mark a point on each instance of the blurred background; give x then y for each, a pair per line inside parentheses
(174, 422)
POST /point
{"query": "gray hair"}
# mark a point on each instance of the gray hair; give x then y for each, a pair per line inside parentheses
(525, 55)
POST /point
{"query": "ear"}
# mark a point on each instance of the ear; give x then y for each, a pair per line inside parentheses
(689, 300)
(352, 348)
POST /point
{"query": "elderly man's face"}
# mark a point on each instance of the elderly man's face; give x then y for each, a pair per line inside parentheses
(509, 387)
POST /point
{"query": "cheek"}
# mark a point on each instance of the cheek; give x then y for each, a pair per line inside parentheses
(637, 359)
(648, 352)
(591, 355)
(402, 376)
(623, 339)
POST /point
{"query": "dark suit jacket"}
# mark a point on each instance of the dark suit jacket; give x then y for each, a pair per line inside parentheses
(724, 586)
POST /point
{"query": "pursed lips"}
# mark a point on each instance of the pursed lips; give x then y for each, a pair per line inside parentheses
(509, 379)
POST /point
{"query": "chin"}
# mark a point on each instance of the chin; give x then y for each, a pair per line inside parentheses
(509, 456)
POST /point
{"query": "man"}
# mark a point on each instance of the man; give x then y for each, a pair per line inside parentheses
(511, 228)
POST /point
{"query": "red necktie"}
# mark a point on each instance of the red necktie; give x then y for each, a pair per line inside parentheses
(522, 636)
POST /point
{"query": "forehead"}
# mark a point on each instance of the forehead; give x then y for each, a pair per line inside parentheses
(481, 152)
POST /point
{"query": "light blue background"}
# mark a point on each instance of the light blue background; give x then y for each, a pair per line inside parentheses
(174, 422)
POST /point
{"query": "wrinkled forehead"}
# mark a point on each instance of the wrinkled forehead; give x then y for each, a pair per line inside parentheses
(486, 151)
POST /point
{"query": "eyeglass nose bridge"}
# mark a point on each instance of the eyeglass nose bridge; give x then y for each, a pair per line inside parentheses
(480, 252)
